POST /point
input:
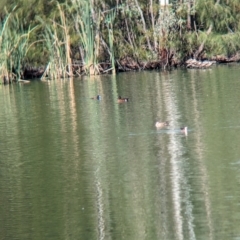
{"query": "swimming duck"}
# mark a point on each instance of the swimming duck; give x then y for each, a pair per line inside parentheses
(184, 130)
(121, 100)
(161, 124)
(98, 97)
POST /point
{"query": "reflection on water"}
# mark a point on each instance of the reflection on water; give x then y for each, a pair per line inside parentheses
(72, 167)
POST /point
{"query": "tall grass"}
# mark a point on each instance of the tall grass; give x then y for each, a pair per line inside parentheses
(109, 20)
(14, 44)
(4, 74)
(57, 42)
(87, 28)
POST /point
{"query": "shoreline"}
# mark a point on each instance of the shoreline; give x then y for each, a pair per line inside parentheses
(127, 64)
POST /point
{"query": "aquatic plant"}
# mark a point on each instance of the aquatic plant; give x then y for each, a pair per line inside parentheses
(14, 44)
(77, 37)
(57, 42)
(109, 21)
(86, 24)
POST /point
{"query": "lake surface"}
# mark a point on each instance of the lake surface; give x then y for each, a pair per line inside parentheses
(76, 168)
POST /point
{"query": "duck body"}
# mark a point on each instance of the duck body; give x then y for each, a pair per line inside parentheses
(161, 124)
(184, 130)
(98, 97)
(122, 100)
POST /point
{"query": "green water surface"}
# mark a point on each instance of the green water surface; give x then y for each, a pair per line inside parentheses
(76, 168)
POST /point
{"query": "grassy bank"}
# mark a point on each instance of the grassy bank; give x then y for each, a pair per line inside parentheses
(61, 39)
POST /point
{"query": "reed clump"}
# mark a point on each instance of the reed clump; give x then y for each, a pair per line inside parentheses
(14, 45)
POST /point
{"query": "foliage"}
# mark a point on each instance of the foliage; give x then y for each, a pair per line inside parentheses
(57, 32)
(14, 44)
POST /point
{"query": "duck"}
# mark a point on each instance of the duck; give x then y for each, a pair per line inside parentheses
(98, 97)
(161, 124)
(184, 130)
(121, 100)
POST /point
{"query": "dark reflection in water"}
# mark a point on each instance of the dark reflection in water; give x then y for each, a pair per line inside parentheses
(76, 168)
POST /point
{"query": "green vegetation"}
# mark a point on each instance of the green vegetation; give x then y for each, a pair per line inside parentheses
(74, 37)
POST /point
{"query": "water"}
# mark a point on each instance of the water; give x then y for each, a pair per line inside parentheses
(76, 168)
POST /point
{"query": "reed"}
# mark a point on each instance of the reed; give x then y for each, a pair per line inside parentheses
(66, 41)
(4, 74)
(87, 28)
(14, 44)
(5, 64)
(57, 43)
(109, 20)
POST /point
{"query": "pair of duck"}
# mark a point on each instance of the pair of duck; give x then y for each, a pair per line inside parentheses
(166, 124)
(120, 99)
